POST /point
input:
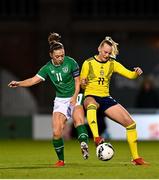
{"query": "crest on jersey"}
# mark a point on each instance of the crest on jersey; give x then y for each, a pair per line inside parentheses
(65, 69)
(101, 72)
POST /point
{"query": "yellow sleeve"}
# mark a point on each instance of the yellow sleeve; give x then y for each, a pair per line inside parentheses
(84, 70)
(84, 73)
(120, 69)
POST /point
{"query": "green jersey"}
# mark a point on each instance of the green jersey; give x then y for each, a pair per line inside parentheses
(62, 76)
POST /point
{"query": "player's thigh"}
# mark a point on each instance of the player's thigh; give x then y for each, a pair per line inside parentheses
(58, 122)
(119, 114)
(78, 115)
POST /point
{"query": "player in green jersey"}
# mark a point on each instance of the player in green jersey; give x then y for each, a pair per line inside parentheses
(63, 72)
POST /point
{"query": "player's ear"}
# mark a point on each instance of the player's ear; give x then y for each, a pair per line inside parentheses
(99, 49)
(50, 54)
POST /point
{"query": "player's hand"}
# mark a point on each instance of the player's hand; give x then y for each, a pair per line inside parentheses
(13, 84)
(73, 101)
(84, 82)
(138, 70)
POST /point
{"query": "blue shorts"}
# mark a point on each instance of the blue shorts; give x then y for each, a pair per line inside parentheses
(104, 102)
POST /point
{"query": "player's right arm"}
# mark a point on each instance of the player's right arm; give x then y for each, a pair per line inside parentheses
(40, 76)
(25, 83)
(84, 74)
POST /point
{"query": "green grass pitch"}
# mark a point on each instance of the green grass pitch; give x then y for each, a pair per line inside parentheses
(28, 159)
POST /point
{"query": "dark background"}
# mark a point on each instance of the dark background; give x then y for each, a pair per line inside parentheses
(83, 24)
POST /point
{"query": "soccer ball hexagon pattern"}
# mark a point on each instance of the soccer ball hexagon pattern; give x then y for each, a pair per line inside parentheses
(105, 151)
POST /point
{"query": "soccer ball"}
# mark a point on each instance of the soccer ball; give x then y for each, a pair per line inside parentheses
(105, 151)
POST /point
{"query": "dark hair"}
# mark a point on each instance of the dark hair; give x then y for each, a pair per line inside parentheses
(54, 42)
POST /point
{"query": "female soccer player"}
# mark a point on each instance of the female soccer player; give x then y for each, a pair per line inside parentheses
(95, 78)
(63, 72)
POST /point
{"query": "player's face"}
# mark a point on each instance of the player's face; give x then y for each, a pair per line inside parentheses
(58, 56)
(104, 52)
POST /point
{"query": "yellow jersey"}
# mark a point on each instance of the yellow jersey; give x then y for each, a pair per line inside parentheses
(98, 75)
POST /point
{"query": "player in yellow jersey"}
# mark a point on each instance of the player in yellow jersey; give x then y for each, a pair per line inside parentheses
(95, 77)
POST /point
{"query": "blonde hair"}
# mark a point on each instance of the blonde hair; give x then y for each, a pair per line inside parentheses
(115, 50)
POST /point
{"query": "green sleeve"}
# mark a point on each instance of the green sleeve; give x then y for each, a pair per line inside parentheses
(75, 65)
(75, 68)
(43, 72)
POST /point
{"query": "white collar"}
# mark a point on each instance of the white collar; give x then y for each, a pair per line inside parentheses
(54, 63)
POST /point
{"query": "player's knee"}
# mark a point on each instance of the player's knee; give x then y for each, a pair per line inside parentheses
(90, 101)
(91, 106)
(78, 122)
(57, 134)
(132, 125)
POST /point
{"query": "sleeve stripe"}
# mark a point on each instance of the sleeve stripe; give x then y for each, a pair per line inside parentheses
(40, 77)
(76, 73)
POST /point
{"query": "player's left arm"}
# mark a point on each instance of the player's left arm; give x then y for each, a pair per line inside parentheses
(138, 70)
(77, 90)
(120, 69)
(76, 76)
